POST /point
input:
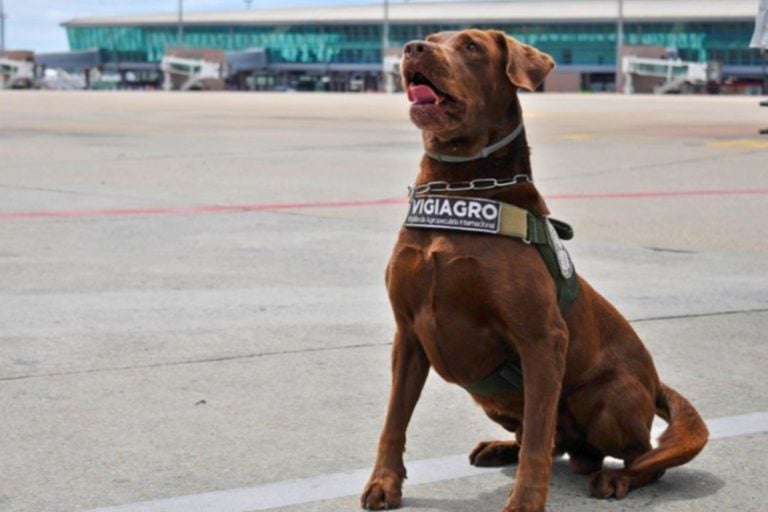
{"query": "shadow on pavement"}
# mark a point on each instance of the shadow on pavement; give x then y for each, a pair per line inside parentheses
(568, 492)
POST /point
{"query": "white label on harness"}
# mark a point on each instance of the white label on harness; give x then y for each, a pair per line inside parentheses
(457, 213)
(563, 258)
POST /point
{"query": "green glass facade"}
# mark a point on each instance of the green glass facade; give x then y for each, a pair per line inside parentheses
(584, 44)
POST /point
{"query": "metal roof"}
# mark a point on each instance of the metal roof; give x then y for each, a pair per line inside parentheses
(510, 11)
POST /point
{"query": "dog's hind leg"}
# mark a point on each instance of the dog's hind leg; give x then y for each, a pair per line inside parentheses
(583, 458)
(585, 462)
(683, 439)
(505, 453)
(489, 454)
(498, 453)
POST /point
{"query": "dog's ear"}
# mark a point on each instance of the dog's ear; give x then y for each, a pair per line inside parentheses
(527, 67)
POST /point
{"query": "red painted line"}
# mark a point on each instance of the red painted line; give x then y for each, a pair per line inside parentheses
(198, 209)
(663, 193)
(347, 204)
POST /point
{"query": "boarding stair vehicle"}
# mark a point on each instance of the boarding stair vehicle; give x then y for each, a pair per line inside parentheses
(16, 74)
(187, 74)
(676, 75)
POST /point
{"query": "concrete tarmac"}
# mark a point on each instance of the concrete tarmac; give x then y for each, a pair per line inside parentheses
(193, 315)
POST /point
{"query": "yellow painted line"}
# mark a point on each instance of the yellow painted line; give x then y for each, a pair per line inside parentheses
(577, 137)
(740, 144)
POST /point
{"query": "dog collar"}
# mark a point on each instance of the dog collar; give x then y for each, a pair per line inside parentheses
(483, 153)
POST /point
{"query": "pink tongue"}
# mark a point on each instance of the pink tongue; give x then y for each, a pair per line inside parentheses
(422, 94)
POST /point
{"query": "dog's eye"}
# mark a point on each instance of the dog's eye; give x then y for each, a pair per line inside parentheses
(472, 46)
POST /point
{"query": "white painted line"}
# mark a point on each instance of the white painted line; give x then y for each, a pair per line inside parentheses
(350, 483)
(734, 426)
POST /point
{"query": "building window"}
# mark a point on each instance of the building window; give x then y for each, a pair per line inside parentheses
(567, 56)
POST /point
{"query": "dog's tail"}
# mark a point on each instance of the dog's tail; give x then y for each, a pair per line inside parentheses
(683, 439)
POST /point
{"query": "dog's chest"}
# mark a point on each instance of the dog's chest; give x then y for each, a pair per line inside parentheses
(446, 293)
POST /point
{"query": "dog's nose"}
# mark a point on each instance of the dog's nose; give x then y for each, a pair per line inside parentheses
(415, 48)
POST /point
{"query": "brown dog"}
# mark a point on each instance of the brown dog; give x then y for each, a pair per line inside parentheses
(464, 302)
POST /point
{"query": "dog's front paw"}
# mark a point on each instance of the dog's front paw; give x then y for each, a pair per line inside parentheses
(382, 492)
(531, 498)
(523, 508)
(491, 454)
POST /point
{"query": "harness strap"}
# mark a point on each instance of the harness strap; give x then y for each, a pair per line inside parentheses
(517, 223)
(567, 288)
(508, 376)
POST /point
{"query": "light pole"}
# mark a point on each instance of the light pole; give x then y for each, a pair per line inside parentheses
(2, 28)
(180, 26)
(389, 86)
(619, 45)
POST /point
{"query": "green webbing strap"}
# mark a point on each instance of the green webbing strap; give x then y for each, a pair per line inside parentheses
(508, 376)
(537, 230)
(567, 288)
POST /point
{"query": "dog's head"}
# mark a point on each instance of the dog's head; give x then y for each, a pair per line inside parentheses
(459, 82)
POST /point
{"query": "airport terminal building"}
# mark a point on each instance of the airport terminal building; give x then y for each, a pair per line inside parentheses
(341, 47)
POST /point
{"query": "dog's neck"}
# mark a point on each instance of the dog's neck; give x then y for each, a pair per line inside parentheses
(509, 161)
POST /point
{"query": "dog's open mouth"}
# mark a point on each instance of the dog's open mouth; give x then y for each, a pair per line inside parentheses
(421, 91)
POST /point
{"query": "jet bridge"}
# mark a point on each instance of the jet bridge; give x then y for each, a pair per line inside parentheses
(244, 66)
(73, 70)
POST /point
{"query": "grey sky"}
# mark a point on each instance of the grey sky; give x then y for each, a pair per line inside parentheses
(35, 24)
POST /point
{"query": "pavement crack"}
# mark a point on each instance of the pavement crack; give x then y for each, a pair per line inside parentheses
(699, 315)
(272, 353)
(81, 193)
(204, 360)
(674, 251)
